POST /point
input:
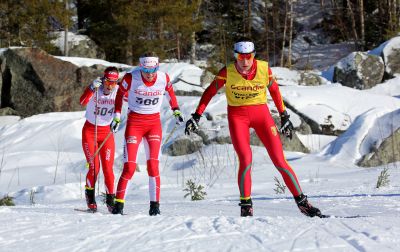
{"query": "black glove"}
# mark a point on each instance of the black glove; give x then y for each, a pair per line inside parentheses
(286, 125)
(192, 125)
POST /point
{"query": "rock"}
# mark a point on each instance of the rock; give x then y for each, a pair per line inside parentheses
(310, 79)
(359, 70)
(391, 57)
(79, 46)
(183, 145)
(387, 152)
(35, 82)
(8, 111)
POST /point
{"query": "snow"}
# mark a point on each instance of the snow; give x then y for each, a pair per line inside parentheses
(42, 163)
(43, 167)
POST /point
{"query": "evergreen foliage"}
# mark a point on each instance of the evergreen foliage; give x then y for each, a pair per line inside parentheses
(29, 22)
(7, 201)
(194, 191)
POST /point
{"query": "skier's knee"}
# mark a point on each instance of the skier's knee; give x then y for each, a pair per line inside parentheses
(152, 167)
(129, 170)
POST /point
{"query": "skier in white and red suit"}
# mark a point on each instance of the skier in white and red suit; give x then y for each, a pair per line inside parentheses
(99, 116)
(144, 87)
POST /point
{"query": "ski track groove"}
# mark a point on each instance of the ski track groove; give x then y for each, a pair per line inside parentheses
(362, 234)
(298, 235)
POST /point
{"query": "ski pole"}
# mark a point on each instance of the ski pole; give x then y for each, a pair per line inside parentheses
(96, 109)
(101, 146)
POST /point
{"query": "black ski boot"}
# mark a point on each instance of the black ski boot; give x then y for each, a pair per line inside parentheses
(110, 202)
(246, 208)
(305, 207)
(154, 208)
(90, 200)
(118, 208)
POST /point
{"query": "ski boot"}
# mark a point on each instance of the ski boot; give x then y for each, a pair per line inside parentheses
(305, 207)
(110, 202)
(118, 208)
(154, 208)
(90, 200)
(246, 207)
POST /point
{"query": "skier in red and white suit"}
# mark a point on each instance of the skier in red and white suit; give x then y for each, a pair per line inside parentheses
(99, 116)
(246, 82)
(144, 88)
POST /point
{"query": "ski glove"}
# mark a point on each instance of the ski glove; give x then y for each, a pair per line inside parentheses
(178, 117)
(286, 125)
(192, 125)
(115, 124)
(96, 84)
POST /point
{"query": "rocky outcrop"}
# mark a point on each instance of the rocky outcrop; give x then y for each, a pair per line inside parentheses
(391, 57)
(183, 145)
(359, 70)
(35, 82)
(79, 46)
(387, 152)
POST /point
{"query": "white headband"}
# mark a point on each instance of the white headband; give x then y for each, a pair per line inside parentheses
(244, 47)
(148, 62)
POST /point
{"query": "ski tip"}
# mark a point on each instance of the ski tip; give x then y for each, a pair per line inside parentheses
(322, 216)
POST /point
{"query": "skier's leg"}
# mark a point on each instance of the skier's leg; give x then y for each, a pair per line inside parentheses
(266, 130)
(239, 131)
(152, 142)
(88, 149)
(107, 153)
(133, 137)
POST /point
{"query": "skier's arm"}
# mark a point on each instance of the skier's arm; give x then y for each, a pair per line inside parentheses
(122, 92)
(218, 82)
(85, 97)
(171, 94)
(273, 89)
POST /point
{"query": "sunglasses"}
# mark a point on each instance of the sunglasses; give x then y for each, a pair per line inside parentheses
(243, 56)
(149, 70)
(110, 82)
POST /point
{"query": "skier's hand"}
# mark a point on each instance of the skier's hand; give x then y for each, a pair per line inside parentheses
(192, 125)
(178, 117)
(115, 124)
(286, 125)
(96, 84)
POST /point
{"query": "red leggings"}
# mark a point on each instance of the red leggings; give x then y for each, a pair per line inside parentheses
(258, 117)
(106, 154)
(148, 127)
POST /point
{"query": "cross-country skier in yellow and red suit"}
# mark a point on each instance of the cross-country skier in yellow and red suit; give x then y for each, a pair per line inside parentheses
(246, 82)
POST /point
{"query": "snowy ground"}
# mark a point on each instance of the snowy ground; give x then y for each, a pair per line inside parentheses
(43, 167)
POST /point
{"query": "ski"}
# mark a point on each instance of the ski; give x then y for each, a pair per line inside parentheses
(323, 216)
(91, 211)
(85, 210)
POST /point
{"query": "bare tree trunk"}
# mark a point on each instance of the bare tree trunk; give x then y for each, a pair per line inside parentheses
(178, 46)
(266, 22)
(289, 61)
(284, 33)
(362, 24)
(249, 18)
(66, 33)
(353, 23)
(192, 55)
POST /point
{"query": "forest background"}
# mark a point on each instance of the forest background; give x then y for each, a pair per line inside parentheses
(184, 29)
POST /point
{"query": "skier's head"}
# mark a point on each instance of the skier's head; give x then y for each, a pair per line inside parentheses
(110, 78)
(149, 65)
(244, 53)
